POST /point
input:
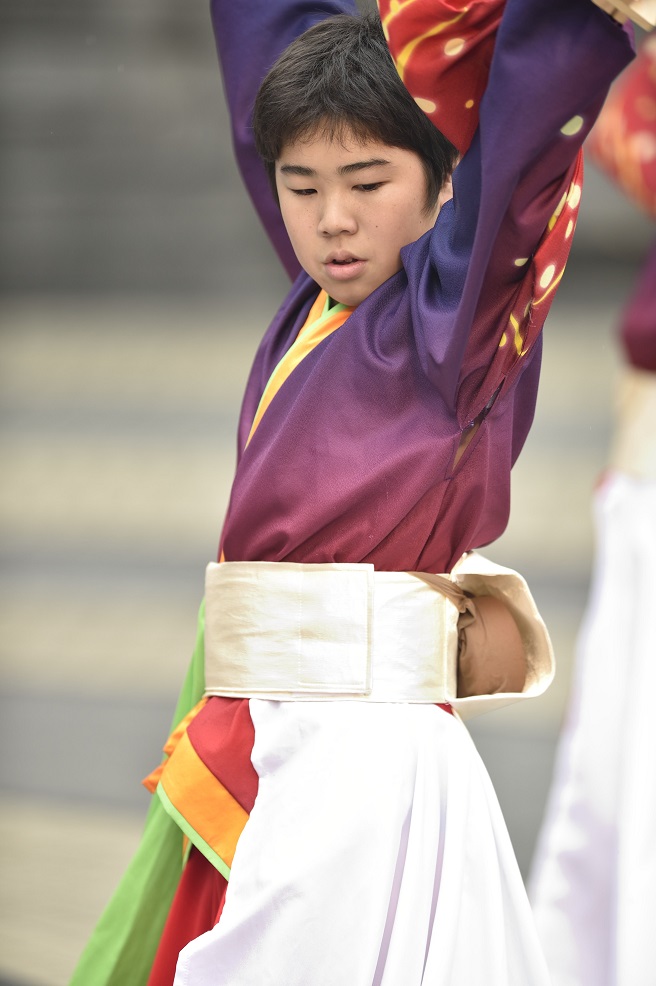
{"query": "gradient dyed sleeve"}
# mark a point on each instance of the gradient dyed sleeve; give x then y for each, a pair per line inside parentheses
(527, 80)
(250, 35)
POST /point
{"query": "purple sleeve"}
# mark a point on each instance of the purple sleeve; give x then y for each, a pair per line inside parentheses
(250, 35)
(484, 280)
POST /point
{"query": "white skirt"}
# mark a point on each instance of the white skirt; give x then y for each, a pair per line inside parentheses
(375, 855)
(593, 884)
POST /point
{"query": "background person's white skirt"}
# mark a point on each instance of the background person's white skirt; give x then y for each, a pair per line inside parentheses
(593, 883)
(375, 855)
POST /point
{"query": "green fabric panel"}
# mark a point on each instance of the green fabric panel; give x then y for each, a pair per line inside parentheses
(122, 947)
(193, 835)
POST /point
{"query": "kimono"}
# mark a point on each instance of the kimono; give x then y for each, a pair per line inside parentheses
(594, 872)
(363, 843)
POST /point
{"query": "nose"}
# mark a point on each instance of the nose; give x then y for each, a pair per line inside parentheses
(336, 216)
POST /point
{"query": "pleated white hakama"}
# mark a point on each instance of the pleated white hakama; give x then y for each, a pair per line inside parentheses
(375, 855)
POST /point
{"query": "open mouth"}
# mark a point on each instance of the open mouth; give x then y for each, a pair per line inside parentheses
(344, 266)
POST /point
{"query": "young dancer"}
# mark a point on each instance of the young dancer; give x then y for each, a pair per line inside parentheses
(323, 776)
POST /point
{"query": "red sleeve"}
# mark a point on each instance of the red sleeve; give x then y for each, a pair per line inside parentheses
(443, 54)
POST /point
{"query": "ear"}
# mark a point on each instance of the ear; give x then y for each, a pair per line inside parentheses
(446, 193)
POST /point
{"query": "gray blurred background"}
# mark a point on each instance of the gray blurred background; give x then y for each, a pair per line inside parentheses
(135, 283)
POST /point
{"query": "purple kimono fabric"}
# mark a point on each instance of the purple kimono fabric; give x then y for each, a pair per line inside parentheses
(353, 460)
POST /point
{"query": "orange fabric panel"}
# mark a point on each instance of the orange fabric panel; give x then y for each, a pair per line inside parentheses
(205, 803)
(318, 326)
(151, 782)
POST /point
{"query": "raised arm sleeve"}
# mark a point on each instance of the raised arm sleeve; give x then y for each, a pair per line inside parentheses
(484, 280)
(250, 35)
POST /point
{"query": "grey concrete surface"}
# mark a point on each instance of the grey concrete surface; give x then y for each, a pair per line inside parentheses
(128, 255)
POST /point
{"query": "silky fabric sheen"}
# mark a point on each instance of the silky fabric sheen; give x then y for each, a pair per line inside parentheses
(288, 631)
(375, 855)
(283, 630)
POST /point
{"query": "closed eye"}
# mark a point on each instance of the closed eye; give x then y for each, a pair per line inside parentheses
(303, 191)
(369, 186)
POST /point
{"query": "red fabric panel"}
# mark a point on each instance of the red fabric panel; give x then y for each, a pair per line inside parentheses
(196, 908)
(223, 738)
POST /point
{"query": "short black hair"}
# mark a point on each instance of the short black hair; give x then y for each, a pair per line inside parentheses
(338, 78)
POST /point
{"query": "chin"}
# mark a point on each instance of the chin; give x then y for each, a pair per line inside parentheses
(349, 297)
(344, 298)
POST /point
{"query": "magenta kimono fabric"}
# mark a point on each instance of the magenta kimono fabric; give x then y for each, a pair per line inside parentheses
(353, 460)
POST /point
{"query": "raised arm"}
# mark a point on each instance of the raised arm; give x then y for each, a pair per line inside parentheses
(536, 88)
(443, 51)
(250, 35)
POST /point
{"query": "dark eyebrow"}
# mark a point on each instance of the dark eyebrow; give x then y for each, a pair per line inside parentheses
(297, 169)
(346, 169)
(349, 169)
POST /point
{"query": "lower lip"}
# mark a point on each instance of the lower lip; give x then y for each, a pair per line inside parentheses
(345, 272)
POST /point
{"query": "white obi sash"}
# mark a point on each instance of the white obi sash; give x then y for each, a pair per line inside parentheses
(297, 632)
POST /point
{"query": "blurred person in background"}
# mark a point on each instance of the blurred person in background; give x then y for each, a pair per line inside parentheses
(593, 882)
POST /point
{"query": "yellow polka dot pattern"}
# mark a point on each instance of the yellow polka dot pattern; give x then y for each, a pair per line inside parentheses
(572, 126)
(546, 266)
(439, 56)
(438, 49)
